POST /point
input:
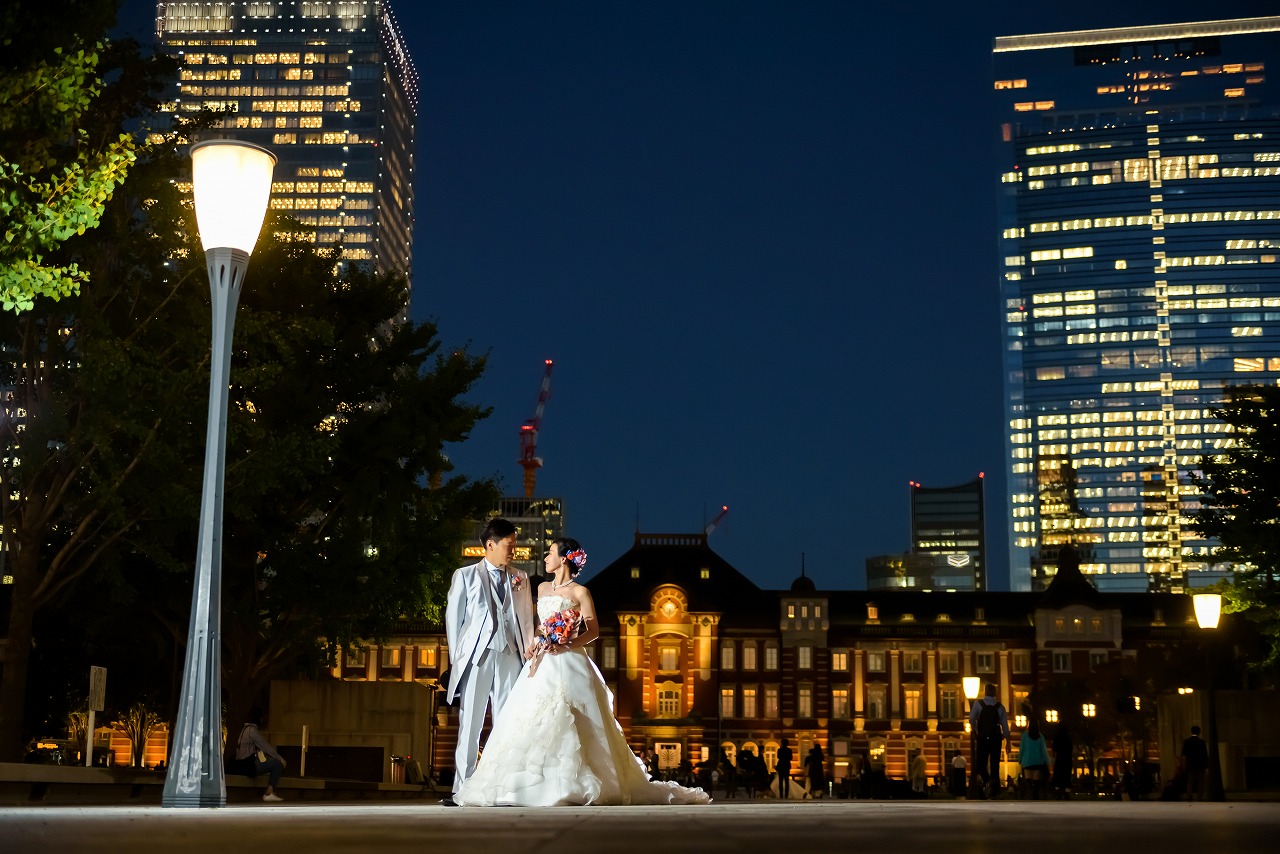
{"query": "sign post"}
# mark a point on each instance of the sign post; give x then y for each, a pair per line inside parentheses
(97, 697)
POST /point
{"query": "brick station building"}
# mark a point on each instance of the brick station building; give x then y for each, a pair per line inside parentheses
(699, 658)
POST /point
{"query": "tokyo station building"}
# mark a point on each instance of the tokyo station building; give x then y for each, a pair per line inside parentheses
(699, 657)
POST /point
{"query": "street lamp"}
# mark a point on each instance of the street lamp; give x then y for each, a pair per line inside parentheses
(1208, 608)
(972, 685)
(232, 184)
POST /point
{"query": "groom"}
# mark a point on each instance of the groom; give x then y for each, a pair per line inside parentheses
(489, 624)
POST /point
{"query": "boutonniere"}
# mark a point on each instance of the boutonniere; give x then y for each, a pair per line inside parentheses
(516, 582)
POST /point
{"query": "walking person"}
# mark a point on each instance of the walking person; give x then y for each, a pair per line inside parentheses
(918, 773)
(783, 766)
(489, 625)
(1033, 756)
(1195, 760)
(1063, 761)
(958, 766)
(815, 765)
(990, 724)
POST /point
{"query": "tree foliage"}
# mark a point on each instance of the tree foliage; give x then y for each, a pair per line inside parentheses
(340, 514)
(61, 505)
(1240, 508)
(55, 175)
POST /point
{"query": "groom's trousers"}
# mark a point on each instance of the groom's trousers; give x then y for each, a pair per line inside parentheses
(487, 683)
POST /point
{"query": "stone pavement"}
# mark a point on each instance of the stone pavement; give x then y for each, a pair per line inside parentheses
(906, 827)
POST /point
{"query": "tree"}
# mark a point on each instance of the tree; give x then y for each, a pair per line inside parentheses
(137, 723)
(1240, 508)
(332, 528)
(55, 176)
(61, 505)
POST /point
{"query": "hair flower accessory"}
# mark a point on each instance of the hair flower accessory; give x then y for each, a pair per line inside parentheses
(577, 557)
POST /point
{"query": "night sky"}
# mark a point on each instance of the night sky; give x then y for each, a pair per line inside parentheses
(757, 239)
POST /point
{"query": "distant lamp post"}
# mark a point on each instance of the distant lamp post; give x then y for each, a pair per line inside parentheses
(232, 185)
(1051, 716)
(1208, 612)
(972, 686)
(1088, 710)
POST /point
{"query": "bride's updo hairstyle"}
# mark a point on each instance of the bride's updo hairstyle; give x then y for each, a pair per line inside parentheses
(572, 551)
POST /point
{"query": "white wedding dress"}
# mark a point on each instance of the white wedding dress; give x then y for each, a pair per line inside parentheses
(557, 742)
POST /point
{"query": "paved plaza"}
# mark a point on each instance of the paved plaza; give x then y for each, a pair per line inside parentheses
(955, 827)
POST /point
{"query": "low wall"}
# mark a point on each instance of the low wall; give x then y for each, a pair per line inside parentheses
(351, 720)
(54, 785)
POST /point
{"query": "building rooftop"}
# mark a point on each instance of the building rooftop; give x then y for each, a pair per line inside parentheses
(1158, 32)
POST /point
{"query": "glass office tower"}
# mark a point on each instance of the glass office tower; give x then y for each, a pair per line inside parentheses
(1139, 243)
(330, 89)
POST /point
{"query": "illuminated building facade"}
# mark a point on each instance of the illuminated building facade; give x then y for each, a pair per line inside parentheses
(330, 89)
(1140, 263)
(700, 659)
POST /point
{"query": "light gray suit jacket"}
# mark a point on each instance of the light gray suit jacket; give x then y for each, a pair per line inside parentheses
(471, 618)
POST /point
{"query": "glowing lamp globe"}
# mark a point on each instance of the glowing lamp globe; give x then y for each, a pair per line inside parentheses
(1208, 609)
(232, 185)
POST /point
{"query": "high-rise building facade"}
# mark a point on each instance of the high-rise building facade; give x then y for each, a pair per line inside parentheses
(1139, 220)
(538, 521)
(948, 542)
(330, 89)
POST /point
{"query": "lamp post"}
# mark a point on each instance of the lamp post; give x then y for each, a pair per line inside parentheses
(1208, 608)
(232, 184)
(972, 685)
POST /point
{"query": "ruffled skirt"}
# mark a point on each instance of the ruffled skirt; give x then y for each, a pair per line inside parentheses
(557, 743)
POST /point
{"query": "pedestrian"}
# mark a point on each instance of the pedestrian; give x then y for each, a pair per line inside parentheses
(1063, 761)
(815, 766)
(255, 755)
(1033, 756)
(918, 773)
(747, 770)
(958, 766)
(990, 725)
(1195, 760)
(783, 766)
(728, 775)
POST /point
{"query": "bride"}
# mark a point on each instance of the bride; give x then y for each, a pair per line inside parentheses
(557, 742)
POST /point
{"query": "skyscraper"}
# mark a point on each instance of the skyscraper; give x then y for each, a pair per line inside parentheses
(331, 90)
(948, 542)
(1139, 219)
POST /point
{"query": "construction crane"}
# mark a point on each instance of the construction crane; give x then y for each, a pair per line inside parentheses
(529, 459)
(724, 511)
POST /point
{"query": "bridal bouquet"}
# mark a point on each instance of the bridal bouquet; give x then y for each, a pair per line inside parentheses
(556, 630)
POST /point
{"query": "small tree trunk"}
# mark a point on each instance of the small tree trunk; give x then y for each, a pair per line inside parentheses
(17, 656)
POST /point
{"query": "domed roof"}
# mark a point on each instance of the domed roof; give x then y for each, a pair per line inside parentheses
(803, 584)
(1069, 586)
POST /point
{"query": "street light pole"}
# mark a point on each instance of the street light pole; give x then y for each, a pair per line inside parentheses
(232, 185)
(1208, 607)
(971, 685)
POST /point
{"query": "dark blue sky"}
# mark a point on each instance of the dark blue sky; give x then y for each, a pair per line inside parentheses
(757, 238)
